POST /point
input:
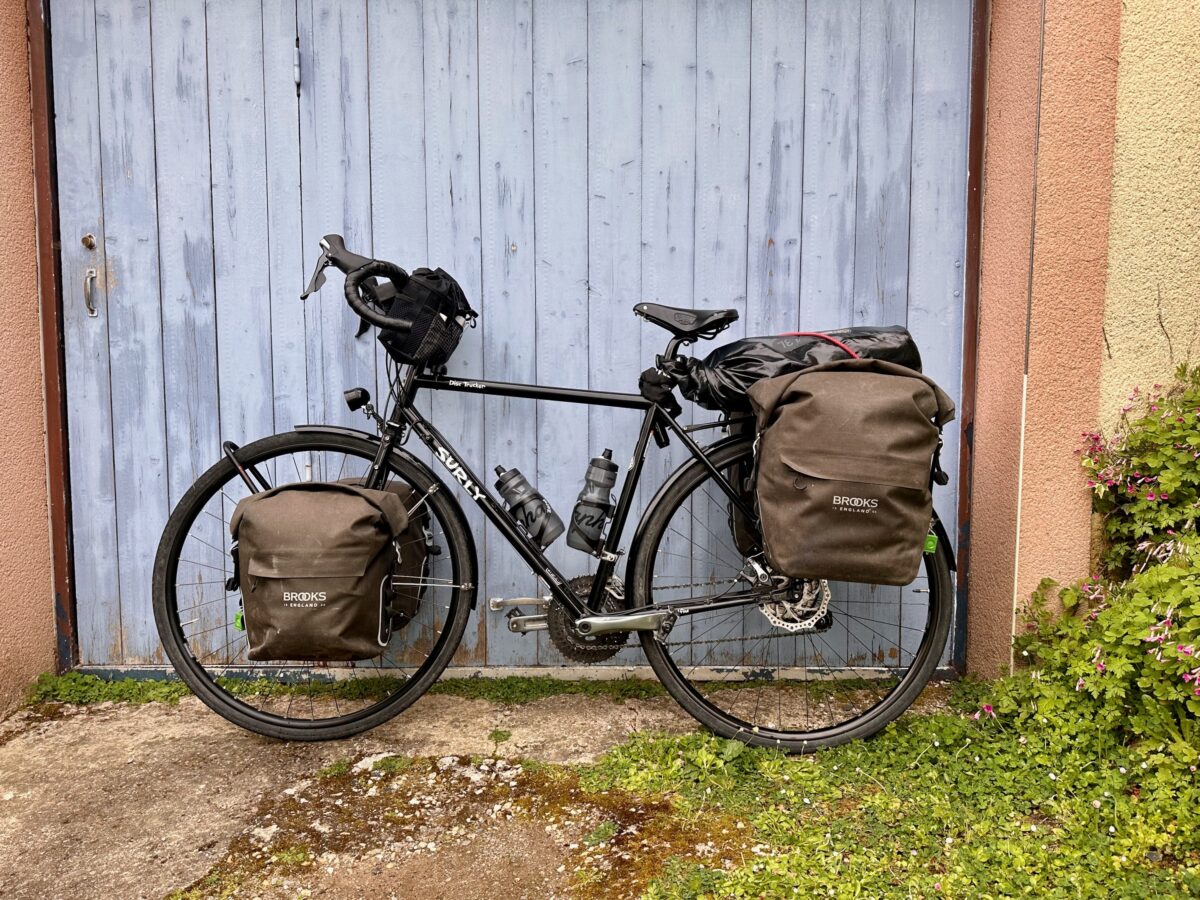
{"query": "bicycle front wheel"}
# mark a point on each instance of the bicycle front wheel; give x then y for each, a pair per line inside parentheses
(198, 618)
(794, 664)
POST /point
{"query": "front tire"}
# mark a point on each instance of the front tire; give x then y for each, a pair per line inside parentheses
(295, 700)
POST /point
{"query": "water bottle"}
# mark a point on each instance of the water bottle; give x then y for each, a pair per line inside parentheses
(528, 507)
(594, 505)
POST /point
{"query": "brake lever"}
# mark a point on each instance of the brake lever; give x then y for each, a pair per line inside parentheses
(318, 276)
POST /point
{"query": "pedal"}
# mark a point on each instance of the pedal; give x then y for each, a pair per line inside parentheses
(525, 624)
(495, 604)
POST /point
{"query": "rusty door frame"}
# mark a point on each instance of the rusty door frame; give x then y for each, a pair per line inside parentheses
(50, 300)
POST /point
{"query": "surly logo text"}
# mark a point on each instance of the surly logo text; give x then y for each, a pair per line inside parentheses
(855, 504)
(459, 473)
(304, 599)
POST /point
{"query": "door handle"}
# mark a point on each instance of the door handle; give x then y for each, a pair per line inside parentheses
(89, 281)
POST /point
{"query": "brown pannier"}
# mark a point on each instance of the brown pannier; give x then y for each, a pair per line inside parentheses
(315, 564)
(412, 544)
(844, 463)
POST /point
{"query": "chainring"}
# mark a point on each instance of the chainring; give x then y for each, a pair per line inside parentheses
(577, 647)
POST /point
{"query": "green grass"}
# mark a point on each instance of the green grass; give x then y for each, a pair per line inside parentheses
(78, 688)
(937, 805)
(522, 689)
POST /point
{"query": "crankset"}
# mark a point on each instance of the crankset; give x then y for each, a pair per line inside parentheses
(590, 648)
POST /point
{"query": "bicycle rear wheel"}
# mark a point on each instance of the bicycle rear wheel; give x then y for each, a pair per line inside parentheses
(798, 665)
(198, 622)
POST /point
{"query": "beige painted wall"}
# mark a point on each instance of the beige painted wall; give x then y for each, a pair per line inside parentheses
(1152, 307)
(26, 607)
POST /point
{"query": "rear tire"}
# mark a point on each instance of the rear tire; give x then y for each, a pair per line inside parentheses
(704, 691)
(227, 684)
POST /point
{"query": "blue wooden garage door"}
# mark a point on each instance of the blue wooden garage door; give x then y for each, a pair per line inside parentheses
(805, 163)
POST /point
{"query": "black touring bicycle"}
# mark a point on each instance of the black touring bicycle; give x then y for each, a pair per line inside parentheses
(794, 663)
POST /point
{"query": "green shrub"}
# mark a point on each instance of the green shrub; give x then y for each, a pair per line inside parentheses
(1146, 475)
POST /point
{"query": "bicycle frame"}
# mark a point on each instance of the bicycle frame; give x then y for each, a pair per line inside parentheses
(656, 421)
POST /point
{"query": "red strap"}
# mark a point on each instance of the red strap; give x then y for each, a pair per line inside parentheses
(823, 337)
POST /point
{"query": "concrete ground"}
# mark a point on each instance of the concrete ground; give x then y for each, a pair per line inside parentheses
(116, 801)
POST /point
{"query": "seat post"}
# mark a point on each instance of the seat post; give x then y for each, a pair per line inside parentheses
(673, 347)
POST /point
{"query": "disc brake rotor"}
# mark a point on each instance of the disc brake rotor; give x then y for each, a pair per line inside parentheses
(796, 610)
(593, 648)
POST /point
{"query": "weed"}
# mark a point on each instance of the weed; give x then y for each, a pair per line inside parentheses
(601, 834)
(336, 769)
(392, 765)
(85, 689)
(498, 736)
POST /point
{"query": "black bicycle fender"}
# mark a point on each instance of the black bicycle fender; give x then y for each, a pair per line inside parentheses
(426, 471)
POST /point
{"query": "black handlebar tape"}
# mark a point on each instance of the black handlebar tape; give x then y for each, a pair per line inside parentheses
(376, 268)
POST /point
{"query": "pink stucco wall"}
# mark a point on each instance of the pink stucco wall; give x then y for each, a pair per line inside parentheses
(26, 606)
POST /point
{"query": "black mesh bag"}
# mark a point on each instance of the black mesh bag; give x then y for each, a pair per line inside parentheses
(438, 309)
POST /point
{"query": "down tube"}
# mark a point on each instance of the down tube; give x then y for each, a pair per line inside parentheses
(494, 512)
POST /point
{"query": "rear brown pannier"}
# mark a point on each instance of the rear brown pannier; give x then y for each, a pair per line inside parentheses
(843, 469)
(315, 563)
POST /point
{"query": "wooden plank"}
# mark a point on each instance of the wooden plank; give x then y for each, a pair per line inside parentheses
(830, 163)
(938, 226)
(941, 93)
(287, 255)
(560, 73)
(187, 290)
(777, 92)
(453, 198)
(884, 163)
(335, 155)
(722, 156)
(722, 193)
(239, 196)
(510, 345)
(396, 80)
(96, 582)
(668, 190)
(135, 321)
(614, 113)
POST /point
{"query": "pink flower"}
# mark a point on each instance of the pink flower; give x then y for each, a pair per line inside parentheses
(1186, 649)
(1151, 496)
(1079, 686)
(987, 710)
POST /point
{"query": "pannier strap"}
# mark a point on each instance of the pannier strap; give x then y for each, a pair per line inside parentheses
(823, 337)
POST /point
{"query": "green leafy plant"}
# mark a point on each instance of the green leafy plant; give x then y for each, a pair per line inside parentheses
(1146, 475)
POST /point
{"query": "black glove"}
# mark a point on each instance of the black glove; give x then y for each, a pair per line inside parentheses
(659, 388)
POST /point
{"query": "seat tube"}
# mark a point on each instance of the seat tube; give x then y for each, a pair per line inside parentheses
(608, 560)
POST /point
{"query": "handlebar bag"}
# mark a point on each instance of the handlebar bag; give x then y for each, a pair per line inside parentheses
(438, 308)
(315, 564)
(844, 464)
